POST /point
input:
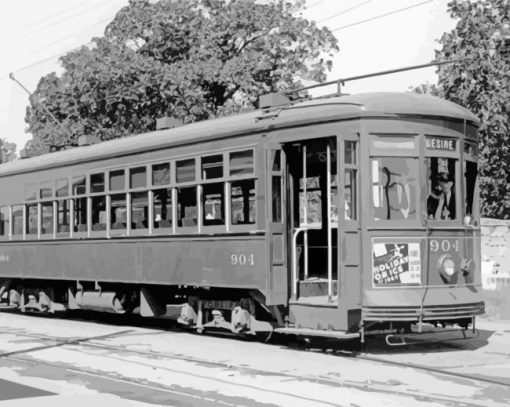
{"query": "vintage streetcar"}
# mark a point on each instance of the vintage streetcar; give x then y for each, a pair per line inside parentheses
(338, 217)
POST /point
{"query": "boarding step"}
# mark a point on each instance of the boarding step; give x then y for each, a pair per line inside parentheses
(317, 301)
(316, 287)
(316, 313)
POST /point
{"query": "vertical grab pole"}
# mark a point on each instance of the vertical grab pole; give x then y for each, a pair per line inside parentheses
(328, 217)
(305, 215)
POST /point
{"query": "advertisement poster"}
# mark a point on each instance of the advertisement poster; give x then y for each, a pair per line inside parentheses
(396, 264)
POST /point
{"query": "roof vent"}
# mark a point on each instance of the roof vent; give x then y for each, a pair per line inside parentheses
(87, 140)
(167, 123)
(273, 100)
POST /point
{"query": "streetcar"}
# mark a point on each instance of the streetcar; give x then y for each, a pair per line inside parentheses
(336, 217)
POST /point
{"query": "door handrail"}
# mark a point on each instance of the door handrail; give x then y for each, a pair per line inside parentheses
(294, 255)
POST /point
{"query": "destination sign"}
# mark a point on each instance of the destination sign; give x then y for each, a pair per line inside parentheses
(441, 143)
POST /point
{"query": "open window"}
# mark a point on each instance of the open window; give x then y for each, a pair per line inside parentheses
(4, 222)
(441, 188)
(47, 218)
(162, 210)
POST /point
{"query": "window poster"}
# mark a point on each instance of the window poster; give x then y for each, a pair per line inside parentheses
(396, 264)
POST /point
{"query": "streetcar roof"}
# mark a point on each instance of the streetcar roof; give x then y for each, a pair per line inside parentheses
(380, 104)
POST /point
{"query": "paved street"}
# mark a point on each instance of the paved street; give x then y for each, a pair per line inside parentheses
(117, 363)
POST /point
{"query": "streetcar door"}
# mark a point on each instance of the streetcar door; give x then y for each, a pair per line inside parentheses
(313, 217)
(276, 220)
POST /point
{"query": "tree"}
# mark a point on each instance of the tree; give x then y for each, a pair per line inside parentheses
(189, 59)
(481, 83)
(7, 151)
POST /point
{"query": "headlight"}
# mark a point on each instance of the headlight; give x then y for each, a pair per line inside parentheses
(447, 268)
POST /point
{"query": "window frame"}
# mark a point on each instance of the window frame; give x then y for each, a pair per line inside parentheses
(345, 167)
(459, 182)
(412, 154)
(8, 233)
(46, 236)
(69, 233)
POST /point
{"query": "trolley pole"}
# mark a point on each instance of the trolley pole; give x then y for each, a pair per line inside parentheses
(51, 115)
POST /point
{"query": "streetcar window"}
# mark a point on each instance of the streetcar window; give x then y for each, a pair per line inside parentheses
(47, 218)
(118, 211)
(80, 214)
(31, 221)
(441, 203)
(312, 202)
(62, 187)
(117, 180)
(394, 181)
(391, 145)
(351, 152)
(138, 177)
(277, 160)
(99, 213)
(162, 210)
(277, 198)
(161, 174)
(79, 185)
(63, 216)
(241, 162)
(97, 182)
(17, 220)
(187, 206)
(4, 221)
(213, 204)
(185, 170)
(46, 190)
(470, 173)
(350, 193)
(212, 167)
(242, 194)
(30, 192)
(139, 210)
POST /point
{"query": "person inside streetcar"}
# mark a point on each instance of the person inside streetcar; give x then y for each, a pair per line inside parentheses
(441, 205)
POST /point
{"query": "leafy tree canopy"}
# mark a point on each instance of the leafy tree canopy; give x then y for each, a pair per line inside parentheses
(7, 151)
(189, 59)
(482, 84)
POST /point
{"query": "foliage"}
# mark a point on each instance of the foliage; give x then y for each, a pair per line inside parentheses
(7, 151)
(189, 59)
(482, 84)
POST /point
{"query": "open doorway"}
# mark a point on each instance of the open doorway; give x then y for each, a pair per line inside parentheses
(313, 220)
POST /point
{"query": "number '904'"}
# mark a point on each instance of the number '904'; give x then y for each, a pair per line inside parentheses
(242, 259)
(444, 245)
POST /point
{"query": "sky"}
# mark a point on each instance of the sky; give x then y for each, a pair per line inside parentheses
(34, 33)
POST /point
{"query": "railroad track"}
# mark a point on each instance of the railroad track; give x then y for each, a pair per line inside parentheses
(116, 352)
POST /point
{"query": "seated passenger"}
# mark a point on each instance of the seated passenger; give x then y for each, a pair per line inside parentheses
(441, 205)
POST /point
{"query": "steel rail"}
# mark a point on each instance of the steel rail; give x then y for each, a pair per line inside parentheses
(363, 356)
(351, 354)
(315, 379)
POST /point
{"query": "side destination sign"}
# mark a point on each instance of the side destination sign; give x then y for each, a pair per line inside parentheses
(441, 143)
(396, 264)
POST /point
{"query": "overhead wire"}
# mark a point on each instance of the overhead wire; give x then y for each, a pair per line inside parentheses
(344, 11)
(62, 20)
(45, 19)
(381, 15)
(56, 42)
(314, 4)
